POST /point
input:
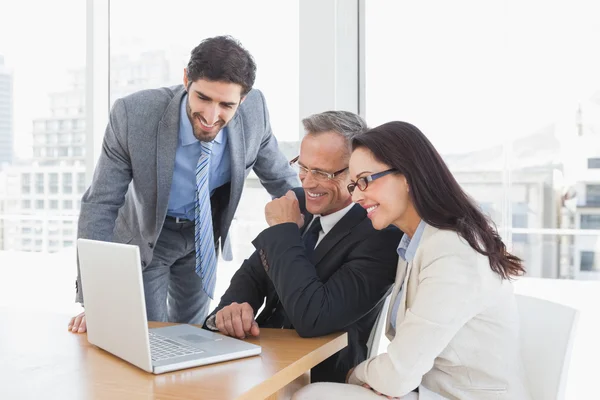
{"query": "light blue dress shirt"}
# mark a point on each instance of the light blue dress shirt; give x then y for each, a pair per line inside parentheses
(183, 188)
(406, 250)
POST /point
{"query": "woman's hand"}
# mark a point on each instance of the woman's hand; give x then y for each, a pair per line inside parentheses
(381, 394)
(349, 374)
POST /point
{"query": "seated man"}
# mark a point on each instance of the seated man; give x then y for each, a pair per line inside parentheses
(320, 265)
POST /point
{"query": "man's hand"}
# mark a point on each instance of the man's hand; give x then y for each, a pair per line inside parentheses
(237, 320)
(284, 209)
(77, 324)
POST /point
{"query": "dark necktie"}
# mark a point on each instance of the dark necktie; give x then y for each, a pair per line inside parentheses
(310, 238)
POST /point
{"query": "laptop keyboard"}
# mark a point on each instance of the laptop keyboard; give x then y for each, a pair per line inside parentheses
(162, 348)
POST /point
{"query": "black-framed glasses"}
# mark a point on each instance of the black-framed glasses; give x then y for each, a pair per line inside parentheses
(363, 182)
(316, 173)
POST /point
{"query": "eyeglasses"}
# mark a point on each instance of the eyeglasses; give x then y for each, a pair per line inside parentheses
(363, 182)
(316, 173)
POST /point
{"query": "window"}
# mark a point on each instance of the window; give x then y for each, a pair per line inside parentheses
(39, 183)
(67, 204)
(143, 58)
(520, 220)
(39, 128)
(81, 182)
(594, 163)
(67, 182)
(589, 261)
(425, 71)
(590, 221)
(592, 195)
(53, 183)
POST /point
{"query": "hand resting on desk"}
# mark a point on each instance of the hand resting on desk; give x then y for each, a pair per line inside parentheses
(77, 324)
(237, 320)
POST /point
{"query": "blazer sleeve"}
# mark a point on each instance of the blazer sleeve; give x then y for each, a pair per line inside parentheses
(451, 291)
(248, 285)
(317, 308)
(271, 166)
(102, 200)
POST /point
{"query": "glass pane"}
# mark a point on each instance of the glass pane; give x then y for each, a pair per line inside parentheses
(144, 57)
(556, 117)
(438, 83)
(510, 95)
(41, 75)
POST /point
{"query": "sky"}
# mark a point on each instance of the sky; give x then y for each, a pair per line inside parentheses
(468, 73)
(40, 41)
(41, 61)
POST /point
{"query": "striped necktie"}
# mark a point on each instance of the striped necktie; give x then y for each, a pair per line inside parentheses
(206, 258)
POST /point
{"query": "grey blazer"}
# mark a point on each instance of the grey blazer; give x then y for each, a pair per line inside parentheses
(128, 198)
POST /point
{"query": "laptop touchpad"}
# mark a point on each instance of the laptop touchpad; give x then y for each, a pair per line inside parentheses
(195, 338)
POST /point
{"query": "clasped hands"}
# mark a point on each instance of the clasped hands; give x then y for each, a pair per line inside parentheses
(366, 386)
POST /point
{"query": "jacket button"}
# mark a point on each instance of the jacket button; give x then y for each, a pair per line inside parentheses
(151, 245)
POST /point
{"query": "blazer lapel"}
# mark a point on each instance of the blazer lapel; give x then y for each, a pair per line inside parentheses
(402, 306)
(307, 220)
(339, 231)
(237, 151)
(401, 273)
(166, 147)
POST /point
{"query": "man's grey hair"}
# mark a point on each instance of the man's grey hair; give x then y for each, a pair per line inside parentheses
(345, 123)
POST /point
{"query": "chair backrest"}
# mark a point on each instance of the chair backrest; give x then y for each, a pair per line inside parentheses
(377, 331)
(547, 333)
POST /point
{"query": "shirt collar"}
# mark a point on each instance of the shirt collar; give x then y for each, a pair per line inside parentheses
(408, 247)
(186, 132)
(329, 221)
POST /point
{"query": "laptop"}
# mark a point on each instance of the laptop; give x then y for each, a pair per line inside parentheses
(115, 312)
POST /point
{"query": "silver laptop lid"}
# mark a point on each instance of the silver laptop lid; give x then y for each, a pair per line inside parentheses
(115, 308)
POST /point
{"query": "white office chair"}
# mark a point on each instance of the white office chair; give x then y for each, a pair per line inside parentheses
(547, 333)
(377, 331)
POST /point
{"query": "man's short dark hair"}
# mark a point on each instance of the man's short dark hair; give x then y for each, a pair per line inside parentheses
(222, 59)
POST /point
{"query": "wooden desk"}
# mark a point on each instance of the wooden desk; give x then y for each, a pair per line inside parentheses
(40, 359)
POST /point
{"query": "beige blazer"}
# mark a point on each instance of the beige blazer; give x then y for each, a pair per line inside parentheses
(457, 328)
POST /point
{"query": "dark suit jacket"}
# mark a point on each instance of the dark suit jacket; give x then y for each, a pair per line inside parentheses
(343, 291)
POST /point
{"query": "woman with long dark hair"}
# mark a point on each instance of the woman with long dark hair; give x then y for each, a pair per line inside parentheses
(453, 318)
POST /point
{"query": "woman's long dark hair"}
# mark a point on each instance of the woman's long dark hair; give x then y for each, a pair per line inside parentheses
(437, 197)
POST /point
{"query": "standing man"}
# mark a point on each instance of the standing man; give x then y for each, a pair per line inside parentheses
(171, 174)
